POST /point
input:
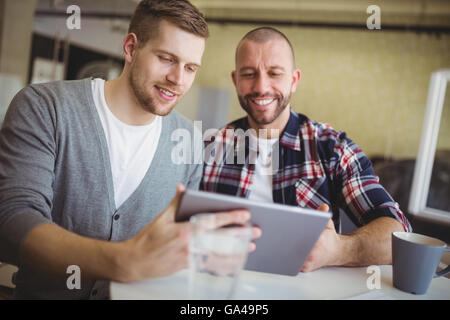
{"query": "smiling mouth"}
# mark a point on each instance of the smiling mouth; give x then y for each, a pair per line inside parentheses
(262, 103)
(166, 93)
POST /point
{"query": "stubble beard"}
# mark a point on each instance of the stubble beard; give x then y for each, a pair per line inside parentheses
(260, 117)
(143, 97)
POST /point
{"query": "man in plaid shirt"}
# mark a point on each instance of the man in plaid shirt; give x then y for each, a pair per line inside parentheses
(277, 155)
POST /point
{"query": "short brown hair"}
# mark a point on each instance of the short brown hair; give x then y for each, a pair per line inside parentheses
(149, 13)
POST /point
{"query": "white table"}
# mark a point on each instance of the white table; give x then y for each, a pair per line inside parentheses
(326, 283)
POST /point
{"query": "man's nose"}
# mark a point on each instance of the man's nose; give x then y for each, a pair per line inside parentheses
(261, 84)
(175, 76)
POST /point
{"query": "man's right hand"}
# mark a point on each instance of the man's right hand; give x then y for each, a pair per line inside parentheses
(158, 250)
(162, 247)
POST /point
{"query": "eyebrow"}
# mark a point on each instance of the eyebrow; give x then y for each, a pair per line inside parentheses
(176, 57)
(243, 69)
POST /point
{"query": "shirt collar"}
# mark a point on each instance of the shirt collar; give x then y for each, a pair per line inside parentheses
(290, 137)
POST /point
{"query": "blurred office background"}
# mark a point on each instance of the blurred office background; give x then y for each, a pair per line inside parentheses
(373, 84)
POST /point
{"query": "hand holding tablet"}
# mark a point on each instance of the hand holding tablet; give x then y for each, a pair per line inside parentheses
(288, 233)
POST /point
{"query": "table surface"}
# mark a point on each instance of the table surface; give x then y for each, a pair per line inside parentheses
(325, 283)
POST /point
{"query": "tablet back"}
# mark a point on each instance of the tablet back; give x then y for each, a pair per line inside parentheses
(288, 233)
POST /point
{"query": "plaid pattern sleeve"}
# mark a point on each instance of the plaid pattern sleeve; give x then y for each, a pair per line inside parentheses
(316, 164)
(361, 196)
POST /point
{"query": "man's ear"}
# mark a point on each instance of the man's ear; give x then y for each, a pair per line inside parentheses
(296, 75)
(130, 44)
(233, 77)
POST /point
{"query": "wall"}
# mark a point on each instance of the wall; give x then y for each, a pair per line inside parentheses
(15, 37)
(102, 35)
(371, 84)
(15, 43)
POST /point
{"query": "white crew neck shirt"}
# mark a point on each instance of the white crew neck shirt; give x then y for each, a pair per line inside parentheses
(261, 187)
(131, 148)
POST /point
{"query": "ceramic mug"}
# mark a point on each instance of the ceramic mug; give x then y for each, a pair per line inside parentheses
(415, 258)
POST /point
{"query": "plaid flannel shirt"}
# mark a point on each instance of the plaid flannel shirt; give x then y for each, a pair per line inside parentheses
(316, 165)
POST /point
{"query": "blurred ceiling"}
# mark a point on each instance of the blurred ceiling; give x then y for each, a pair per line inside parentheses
(393, 12)
(409, 14)
(125, 7)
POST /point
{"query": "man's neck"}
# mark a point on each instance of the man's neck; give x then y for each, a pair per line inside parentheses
(122, 102)
(275, 128)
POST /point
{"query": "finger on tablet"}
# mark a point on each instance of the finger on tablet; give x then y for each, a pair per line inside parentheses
(256, 232)
(231, 217)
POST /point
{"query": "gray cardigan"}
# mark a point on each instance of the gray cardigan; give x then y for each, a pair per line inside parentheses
(55, 168)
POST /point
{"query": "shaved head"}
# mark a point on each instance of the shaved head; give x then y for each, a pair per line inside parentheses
(265, 77)
(264, 34)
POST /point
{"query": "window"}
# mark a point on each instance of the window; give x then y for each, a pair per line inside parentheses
(430, 192)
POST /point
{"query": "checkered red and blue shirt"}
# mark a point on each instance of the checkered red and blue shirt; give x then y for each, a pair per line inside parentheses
(317, 165)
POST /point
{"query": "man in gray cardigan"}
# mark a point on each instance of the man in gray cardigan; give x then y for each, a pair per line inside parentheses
(63, 165)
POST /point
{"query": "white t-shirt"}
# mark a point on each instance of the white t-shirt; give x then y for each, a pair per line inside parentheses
(131, 148)
(261, 188)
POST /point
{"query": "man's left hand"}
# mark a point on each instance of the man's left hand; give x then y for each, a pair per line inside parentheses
(326, 251)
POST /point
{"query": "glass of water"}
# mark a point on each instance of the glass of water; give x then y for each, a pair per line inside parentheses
(217, 254)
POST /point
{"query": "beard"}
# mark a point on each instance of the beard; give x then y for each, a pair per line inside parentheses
(263, 117)
(146, 101)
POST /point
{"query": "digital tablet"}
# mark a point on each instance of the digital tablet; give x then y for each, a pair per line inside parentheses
(288, 232)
